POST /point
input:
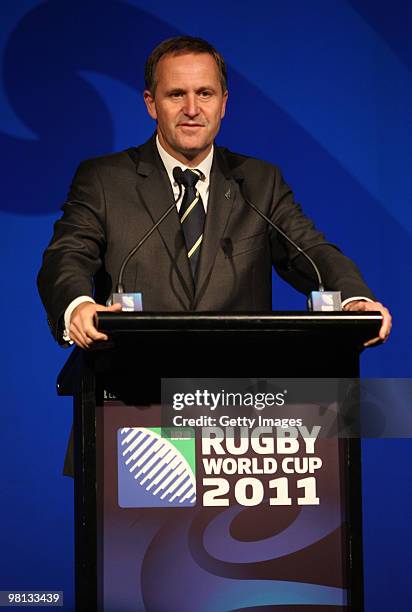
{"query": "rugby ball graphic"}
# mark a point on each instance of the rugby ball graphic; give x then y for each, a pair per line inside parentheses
(152, 471)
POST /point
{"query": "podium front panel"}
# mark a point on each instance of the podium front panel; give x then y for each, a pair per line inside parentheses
(283, 547)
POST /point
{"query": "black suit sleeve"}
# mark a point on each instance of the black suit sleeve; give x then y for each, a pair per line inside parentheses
(76, 250)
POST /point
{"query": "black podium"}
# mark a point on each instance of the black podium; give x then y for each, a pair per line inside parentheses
(118, 386)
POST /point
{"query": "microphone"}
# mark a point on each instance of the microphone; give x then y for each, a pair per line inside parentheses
(318, 300)
(178, 175)
(120, 295)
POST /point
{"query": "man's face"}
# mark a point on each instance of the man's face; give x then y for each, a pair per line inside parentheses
(188, 105)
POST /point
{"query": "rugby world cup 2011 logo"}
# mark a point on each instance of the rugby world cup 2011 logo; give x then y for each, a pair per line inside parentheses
(156, 469)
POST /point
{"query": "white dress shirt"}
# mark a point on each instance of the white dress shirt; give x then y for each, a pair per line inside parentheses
(202, 184)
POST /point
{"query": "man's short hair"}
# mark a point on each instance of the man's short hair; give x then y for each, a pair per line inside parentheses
(180, 45)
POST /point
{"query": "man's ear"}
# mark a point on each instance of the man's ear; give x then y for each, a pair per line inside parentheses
(150, 103)
(224, 101)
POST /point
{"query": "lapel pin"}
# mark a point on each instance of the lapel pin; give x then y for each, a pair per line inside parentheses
(227, 194)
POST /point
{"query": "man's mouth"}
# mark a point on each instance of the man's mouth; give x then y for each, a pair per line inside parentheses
(187, 124)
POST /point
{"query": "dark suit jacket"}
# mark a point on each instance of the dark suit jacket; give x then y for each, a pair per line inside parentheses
(113, 202)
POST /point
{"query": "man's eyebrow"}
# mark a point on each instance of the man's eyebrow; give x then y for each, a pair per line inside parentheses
(175, 90)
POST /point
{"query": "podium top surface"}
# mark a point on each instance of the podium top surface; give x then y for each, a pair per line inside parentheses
(132, 322)
(324, 344)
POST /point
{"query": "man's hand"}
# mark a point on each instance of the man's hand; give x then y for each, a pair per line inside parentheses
(385, 329)
(82, 329)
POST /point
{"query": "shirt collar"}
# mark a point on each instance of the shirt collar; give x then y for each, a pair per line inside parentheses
(170, 162)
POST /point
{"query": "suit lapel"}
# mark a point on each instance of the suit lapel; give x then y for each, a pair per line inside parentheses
(156, 195)
(220, 204)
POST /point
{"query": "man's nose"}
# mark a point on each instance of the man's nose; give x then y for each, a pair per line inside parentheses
(191, 108)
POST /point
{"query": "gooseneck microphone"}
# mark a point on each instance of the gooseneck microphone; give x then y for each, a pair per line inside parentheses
(282, 233)
(177, 174)
(320, 300)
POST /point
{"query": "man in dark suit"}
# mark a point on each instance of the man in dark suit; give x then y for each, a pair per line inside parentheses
(213, 252)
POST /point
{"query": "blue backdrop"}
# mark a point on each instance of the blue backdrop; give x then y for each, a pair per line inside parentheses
(323, 89)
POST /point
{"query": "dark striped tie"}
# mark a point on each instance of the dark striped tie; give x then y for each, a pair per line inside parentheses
(192, 217)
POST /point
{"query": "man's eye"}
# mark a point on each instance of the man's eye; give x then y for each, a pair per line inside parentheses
(176, 94)
(205, 94)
